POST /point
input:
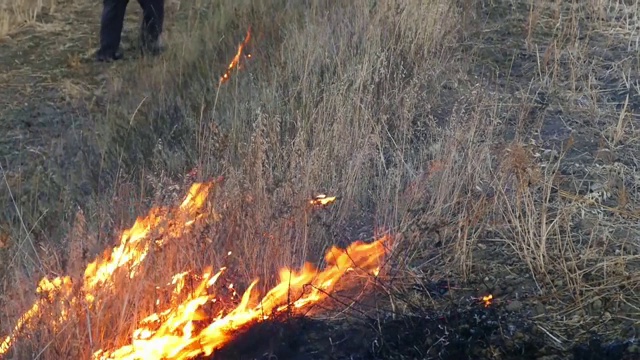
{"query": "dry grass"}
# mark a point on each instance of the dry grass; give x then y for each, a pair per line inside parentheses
(18, 14)
(423, 126)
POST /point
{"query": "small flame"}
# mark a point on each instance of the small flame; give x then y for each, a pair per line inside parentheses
(235, 63)
(487, 300)
(322, 200)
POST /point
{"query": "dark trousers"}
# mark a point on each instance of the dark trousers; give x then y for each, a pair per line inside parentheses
(113, 19)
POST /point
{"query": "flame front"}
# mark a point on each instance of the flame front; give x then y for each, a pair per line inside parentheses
(296, 290)
(186, 327)
(126, 256)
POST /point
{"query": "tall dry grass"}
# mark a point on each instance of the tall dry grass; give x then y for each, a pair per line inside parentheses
(329, 104)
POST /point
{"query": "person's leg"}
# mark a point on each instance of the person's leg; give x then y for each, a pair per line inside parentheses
(112, 21)
(152, 22)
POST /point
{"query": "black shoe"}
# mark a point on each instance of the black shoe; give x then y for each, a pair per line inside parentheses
(153, 50)
(104, 57)
(150, 47)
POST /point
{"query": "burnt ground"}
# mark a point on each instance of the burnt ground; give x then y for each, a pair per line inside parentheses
(468, 330)
(473, 334)
(52, 155)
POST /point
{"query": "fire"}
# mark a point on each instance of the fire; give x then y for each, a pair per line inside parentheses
(322, 200)
(487, 300)
(235, 63)
(195, 319)
(127, 256)
(132, 250)
(176, 338)
(49, 291)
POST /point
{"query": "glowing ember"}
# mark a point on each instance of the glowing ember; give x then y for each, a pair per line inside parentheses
(322, 199)
(235, 63)
(487, 300)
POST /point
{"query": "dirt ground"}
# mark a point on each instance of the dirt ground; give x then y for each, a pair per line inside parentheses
(54, 157)
(57, 152)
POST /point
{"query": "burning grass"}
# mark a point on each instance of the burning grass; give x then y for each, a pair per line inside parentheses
(190, 323)
(508, 169)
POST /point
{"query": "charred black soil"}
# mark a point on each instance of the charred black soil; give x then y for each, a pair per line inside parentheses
(472, 333)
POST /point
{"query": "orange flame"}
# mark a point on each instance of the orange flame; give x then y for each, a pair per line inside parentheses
(49, 291)
(322, 200)
(235, 63)
(487, 300)
(128, 255)
(184, 329)
(132, 250)
(175, 337)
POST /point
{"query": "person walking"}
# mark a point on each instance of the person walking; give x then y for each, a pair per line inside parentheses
(112, 22)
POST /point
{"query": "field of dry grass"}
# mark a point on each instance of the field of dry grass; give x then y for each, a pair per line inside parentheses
(496, 140)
